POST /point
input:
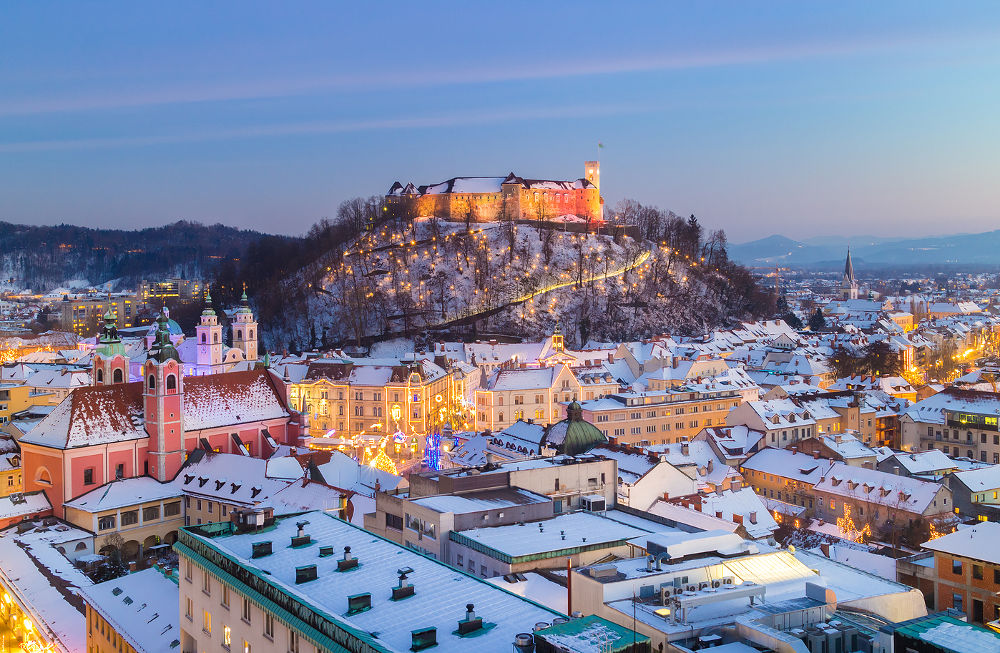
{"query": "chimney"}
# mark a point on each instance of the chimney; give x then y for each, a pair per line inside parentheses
(471, 623)
(815, 455)
(753, 517)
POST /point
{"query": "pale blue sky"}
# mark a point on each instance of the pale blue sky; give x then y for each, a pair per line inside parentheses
(798, 118)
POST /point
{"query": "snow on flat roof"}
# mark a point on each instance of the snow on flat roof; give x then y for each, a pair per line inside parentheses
(536, 588)
(142, 607)
(124, 492)
(562, 532)
(479, 501)
(441, 591)
(32, 503)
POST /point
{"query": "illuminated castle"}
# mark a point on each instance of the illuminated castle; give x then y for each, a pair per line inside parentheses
(486, 199)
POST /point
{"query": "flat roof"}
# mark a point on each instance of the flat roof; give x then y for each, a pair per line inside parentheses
(480, 501)
(441, 591)
(568, 531)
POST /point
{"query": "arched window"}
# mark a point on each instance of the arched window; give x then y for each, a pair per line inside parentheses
(499, 417)
(42, 476)
(251, 334)
(204, 337)
(499, 400)
(100, 376)
(239, 334)
(81, 546)
(215, 338)
(117, 376)
(171, 382)
(151, 382)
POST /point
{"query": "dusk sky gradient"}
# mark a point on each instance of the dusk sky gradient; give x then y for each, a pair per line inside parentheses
(760, 117)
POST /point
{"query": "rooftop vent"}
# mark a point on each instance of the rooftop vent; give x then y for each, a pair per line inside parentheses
(325, 551)
(405, 589)
(349, 562)
(423, 638)
(471, 623)
(305, 574)
(359, 603)
(524, 643)
(302, 538)
(261, 549)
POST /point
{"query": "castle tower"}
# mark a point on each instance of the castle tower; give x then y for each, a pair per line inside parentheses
(163, 405)
(110, 362)
(558, 343)
(849, 285)
(592, 173)
(245, 329)
(208, 334)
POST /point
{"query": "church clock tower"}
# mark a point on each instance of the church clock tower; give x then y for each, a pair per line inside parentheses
(163, 405)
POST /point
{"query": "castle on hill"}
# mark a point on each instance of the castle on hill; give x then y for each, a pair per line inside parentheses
(487, 199)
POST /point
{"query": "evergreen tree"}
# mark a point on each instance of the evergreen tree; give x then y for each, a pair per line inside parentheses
(816, 321)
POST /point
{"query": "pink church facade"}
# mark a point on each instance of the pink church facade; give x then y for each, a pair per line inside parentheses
(148, 428)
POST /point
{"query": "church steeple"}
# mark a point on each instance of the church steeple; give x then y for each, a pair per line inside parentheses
(245, 329)
(209, 336)
(849, 285)
(110, 362)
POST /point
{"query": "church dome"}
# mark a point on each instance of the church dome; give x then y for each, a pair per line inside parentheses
(173, 328)
(573, 435)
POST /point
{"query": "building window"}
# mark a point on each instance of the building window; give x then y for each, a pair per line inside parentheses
(130, 517)
(227, 637)
(150, 513)
(293, 641)
(120, 470)
(189, 608)
(246, 610)
(88, 476)
(956, 567)
(268, 626)
(172, 509)
(106, 522)
(246, 646)
(225, 596)
(206, 583)
(956, 602)
(206, 624)
(977, 572)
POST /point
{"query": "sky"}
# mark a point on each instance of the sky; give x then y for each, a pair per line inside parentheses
(805, 119)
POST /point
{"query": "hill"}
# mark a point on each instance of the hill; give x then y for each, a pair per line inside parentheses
(968, 249)
(428, 276)
(44, 257)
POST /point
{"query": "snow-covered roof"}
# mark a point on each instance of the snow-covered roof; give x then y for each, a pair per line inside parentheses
(981, 541)
(877, 487)
(565, 531)
(931, 410)
(480, 501)
(17, 505)
(744, 502)
(114, 413)
(124, 492)
(442, 592)
(42, 581)
(142, 609)
(980, 480)
(789, 464)
(924, 462)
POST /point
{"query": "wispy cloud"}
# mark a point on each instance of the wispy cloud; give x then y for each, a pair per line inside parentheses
(329, 127)
(454, 76)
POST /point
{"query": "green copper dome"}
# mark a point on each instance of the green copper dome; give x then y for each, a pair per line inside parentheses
(208, 304)
(244, 303)
(163, 348)
(573, 435)
(109, 344)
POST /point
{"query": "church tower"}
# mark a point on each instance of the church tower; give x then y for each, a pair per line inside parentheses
(245, 329)
(849, 285)
(110, 362)
(208, 334)
(163, 405)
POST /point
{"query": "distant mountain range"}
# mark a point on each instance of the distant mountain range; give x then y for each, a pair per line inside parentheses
(870, 251)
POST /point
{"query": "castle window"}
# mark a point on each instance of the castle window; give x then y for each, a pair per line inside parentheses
(239, 334)
(251, 334)
(100, 376)
(151, 382)
(215, 338)
(171, 382)
(204, 337)
(117, 376)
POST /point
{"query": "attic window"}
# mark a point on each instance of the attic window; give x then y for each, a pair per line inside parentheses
(202, 480)
(188, 478)
(254, 491)
(235, 487)
(218, 485)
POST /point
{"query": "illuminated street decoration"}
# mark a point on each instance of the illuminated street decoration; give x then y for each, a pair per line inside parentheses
(849, 530)
(432, 451)
(383, 462)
